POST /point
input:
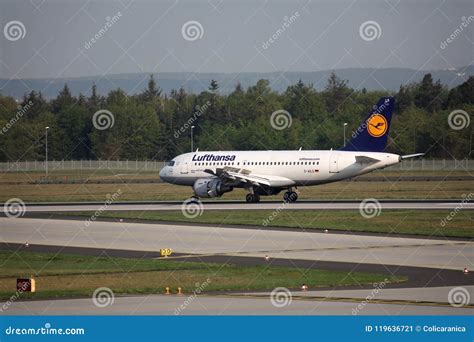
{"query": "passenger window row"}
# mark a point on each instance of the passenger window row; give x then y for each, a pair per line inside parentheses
(255, 163)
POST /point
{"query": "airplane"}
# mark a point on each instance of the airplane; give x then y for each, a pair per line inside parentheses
(265, 173)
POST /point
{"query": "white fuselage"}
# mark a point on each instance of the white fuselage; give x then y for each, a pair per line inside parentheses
(302, 168)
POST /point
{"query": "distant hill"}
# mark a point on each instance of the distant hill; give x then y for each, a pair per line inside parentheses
(369, 78)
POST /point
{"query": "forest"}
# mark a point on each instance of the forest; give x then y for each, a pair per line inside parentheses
(151, 125)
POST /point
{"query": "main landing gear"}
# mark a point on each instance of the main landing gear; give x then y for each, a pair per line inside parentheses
(290, 196)
(252, 198)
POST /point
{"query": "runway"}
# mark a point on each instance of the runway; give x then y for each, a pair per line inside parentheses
(424, 295)
(235, 205)
(211, 240)
(424, 277)
(434, 266)
(337, 303)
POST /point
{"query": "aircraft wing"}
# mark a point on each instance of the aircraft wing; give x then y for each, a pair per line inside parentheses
(246, 176)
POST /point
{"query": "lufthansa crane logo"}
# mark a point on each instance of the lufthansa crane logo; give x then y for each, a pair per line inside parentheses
(377, 125)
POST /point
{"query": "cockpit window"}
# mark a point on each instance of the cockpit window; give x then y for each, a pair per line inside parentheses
(171, 163)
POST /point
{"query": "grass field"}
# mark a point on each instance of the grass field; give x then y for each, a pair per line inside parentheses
(416, 222)
(74, 275)
(21, 185)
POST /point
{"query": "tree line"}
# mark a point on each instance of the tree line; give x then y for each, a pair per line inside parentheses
(154, 126)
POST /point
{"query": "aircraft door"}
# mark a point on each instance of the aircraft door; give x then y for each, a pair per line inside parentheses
(184, 167)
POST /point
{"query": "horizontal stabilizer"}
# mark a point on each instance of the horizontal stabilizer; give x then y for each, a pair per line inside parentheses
(412, 155)
(366, 160)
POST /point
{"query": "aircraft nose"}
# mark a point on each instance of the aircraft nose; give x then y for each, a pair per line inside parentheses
(165, 173)
(162, 171)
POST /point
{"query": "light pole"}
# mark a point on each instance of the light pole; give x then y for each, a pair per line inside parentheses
(470, 143)
(192, 140)
(46, 162)
(345, 124)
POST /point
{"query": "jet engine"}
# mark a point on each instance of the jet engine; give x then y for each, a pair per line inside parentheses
(210, 187)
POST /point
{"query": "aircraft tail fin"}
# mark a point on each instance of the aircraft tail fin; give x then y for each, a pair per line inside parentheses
(372, 133)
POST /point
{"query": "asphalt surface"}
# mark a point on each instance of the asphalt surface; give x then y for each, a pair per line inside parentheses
(235, 205)
(209, 240)
(188, 304)
(428, 263)
(417, 276)
(424, 295)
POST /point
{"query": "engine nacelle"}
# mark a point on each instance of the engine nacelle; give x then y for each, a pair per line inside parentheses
(210, 187)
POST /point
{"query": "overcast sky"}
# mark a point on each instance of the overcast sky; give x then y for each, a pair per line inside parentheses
(147, 36)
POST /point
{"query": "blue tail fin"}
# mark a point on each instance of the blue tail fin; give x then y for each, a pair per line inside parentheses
(372, 133)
